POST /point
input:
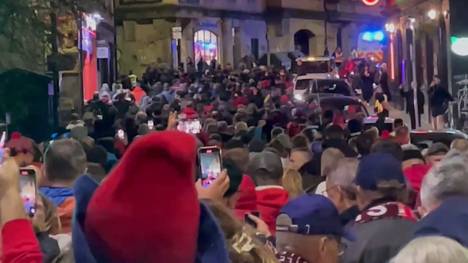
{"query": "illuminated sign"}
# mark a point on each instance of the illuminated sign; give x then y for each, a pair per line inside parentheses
(377, 36)
(370, 2)
(460, 45)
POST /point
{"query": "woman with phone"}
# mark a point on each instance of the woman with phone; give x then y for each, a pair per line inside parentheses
(19, 243)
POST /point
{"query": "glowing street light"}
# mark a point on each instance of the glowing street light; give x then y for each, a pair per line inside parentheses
(432, 14)
(390, 27)
(459, 46)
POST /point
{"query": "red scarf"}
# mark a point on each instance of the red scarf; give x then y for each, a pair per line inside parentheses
(386, 210)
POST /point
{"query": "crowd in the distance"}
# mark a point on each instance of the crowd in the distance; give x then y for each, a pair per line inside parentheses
(121, 184)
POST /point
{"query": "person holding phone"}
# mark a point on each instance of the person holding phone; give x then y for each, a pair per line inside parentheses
(176, 225)
(19, 243)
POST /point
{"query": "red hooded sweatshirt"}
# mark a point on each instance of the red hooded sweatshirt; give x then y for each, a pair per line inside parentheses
(270, 200)
(19, 244)
(247, 202)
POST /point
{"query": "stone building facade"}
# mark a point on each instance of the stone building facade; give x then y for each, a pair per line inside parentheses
(170, 31)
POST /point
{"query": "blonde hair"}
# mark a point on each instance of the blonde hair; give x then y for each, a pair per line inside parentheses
(460, 145)
(292, 182)
(51, 222)
(329, 160)
(432, 249)
(235, 232)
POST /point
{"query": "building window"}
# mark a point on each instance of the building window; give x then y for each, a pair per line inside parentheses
(205, 45)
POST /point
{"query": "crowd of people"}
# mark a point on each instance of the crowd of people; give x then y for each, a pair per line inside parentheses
(121, 182)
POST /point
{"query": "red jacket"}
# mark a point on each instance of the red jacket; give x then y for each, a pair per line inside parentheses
(247, 202)
(19, 244)
(270, 200)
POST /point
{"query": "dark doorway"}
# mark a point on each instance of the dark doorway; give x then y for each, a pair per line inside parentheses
(254, 47)
(302, 41)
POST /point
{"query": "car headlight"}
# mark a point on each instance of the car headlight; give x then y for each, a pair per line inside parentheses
(298, 97)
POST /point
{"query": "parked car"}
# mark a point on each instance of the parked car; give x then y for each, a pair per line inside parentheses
(307, 85)
(425, 138)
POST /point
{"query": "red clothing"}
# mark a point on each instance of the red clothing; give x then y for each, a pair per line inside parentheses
(415, 175)
(270, 200)
(247, 201)
(138, 93)
(284, 100)
(65, 213)
(19, 244)
(240, 100)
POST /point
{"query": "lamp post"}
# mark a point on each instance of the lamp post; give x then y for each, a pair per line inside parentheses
(414, 84)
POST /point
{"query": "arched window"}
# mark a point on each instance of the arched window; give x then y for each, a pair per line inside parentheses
(205, 46)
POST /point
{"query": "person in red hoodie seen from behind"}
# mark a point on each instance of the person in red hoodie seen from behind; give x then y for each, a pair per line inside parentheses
(246, 198)
(266, 170)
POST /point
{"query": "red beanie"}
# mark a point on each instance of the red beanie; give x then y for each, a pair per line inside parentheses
(147, 210)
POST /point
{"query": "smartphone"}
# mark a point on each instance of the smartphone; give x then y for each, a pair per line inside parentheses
(121, 134)
(249, 221)
(2, 146)
(210, 164)
(189, 126)
(151, 124)
(28, 190)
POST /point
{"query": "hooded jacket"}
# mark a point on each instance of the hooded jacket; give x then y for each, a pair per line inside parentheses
(270, 200)
(380, 238)
(164, 210)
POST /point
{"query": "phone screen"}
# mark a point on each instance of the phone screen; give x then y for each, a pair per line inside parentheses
(28, 190)
(150, 124)
(190, 126)
(121, 134)
(210, 164)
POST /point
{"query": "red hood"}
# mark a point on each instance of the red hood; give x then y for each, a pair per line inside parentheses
(247, 201)
(270, 200)
(415, 174)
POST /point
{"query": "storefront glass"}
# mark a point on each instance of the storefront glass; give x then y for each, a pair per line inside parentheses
(205, 46)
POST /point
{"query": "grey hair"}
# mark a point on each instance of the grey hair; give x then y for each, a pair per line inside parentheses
(448, 178)
(344, 172)
(432, 249)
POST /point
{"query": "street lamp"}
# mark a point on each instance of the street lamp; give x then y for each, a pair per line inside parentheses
(459, 46)
(390, 28)
(432, 14)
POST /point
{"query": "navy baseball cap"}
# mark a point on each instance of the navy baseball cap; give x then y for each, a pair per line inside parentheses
(380, 170)
(450, 220)
(311, 215)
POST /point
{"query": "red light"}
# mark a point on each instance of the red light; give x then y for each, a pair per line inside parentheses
(370, 2)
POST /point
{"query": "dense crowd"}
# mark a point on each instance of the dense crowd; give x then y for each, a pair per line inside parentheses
(121, 182)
